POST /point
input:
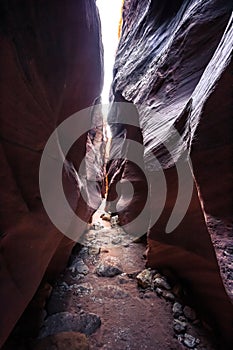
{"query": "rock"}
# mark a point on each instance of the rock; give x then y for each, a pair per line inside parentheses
(189, 313)
(79, 267)
(229, 250)
(160, 282)
(116, 240)
(144, 278)
(84, 322)
(64, 286)
(133, 275)
(63, 341)
(123, 278)
(82, 289)
(179, 327)
(106, 217)
(149, 295)
(168, 295)
(97, 226)
(109, 267)
(189, 341)
(182, 318)
(93, 250)
(177, 310)
(159, 291)
(114, 220)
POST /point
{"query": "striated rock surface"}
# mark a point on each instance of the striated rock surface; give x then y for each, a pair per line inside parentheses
(174, 68)
(51, 67)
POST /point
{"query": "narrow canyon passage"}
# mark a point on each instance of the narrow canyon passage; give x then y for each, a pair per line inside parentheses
(116, 175)
(106, 299)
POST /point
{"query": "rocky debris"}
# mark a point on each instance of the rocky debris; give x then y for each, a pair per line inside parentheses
(79, 267)
(93, 250)
(182, 314)
(179, 326)
(114, 221)
(229, 250)
(97, 226)
(82, 322)
(159, 292)
(123, 278)
(63, 341)
(177, 310)
(169, 296)
(161, 282)
(105, 216)
(81, 289)
(189, 313)
(144, 278)
(190, 341)
(221, 234)
(106, 237)
(116, 240)
(95, 293)
(109, 267)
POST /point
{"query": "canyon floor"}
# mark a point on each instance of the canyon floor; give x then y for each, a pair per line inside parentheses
(104, 295)
(107, 299)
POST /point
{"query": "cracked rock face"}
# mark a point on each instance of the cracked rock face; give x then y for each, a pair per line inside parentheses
(173, 70)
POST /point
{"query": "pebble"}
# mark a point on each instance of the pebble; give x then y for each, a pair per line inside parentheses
(93, 250)
(123, 278)
(79, 267)
(168, 295)
(160, 282)
(109, 268)
(144, 278)
(179, 327)
(182, 318)
(106, 217)
(82, 289)
(114, 220)
(159, 291)
(116, 240)
(189, 341)
(177, 310)
(97, 226)
(64, 285)
(229, 250)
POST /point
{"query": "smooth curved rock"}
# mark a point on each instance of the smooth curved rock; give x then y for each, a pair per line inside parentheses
(173, 63)
(51, 67)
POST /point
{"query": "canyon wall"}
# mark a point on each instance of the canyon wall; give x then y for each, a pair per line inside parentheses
(51, 67)
(174, 66)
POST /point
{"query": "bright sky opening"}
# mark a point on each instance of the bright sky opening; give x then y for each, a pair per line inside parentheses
(110, 14)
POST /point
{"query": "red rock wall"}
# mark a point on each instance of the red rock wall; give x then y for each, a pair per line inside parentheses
(174, 58)
(51, 67)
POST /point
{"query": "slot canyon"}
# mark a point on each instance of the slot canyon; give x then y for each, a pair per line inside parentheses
(116, 218)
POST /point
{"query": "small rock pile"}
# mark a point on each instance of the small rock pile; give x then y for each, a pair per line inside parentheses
(183, 315)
